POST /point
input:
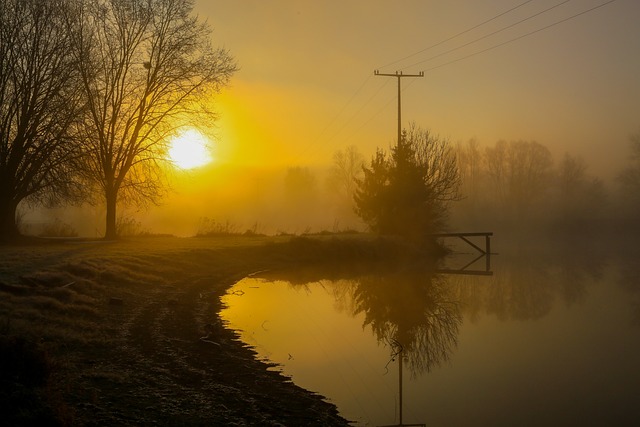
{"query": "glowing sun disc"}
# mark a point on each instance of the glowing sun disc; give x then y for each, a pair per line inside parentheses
(189, 149)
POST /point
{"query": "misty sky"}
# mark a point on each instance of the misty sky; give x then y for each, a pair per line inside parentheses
(306, 84)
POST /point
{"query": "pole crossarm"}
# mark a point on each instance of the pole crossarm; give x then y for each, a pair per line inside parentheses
(397, 74)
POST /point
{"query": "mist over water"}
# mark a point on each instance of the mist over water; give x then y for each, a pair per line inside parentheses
(551, 338)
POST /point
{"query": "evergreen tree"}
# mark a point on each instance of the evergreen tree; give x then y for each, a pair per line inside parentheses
(407, 192)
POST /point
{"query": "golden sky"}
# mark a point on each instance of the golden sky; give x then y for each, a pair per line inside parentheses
(306, 87)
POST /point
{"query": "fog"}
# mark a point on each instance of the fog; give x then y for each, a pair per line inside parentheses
(216, 200)
(506, 185)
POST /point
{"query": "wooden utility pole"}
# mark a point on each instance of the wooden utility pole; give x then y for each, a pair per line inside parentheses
(399, 76)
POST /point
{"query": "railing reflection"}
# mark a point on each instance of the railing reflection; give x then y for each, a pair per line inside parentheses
(464, 270)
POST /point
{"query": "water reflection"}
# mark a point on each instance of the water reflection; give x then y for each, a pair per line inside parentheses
(630, 280)
(417, 310)
(514, 341)
(530, 280)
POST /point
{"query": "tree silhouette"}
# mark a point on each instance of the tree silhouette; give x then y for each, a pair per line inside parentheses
(407, 192)
(519, 172)
(629, 180)
(580, 198)
(38, 105)
(346, 171)
(146, 65)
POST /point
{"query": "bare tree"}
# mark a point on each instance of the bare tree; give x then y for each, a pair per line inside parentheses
(520, 173)
(37, 107)
(571, 175)
(147, 66)
(581, 198)
(469, 160)
(629, 178)
(345, 173)
(496, 159)
(436, 158)
(473, 205)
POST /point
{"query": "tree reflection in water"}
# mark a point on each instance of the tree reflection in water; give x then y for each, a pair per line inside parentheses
(415, 309)
(411, 306)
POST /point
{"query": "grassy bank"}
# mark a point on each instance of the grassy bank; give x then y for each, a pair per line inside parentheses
(98, 332)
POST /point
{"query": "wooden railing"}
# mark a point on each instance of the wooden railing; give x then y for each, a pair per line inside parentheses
(484, 253)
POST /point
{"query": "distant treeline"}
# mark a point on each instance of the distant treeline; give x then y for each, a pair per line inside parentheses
(518, 185)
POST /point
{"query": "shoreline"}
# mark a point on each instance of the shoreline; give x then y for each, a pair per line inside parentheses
(129, 331)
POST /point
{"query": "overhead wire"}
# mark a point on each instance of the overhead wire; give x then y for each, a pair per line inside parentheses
(352, 118)
(345, 105)
(353, 96)
(591, 9)
(520, 37)
(313, 143)
(491, 34)
(373, 116)
(367, 102)
(457, 35)
(501, 14)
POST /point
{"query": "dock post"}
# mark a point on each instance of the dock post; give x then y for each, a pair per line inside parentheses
(487, 248)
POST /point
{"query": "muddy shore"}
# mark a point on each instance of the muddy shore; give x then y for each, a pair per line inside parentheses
(128, 333)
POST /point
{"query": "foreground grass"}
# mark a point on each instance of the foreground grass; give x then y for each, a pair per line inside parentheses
(93, 327)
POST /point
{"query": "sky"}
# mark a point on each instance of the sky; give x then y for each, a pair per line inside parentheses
(306, 84)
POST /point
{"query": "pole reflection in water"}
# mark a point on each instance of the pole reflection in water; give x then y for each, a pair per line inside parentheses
(535, 344)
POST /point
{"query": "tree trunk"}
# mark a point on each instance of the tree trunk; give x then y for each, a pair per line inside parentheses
(8, 226)
(111, 232)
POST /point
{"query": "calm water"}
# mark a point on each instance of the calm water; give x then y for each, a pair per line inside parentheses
(550, 339)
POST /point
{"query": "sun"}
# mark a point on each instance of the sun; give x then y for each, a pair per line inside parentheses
(189, 149)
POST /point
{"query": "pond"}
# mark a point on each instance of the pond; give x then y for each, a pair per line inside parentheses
(547, 339)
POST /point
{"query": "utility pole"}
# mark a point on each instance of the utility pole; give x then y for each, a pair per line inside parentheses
(399, 75)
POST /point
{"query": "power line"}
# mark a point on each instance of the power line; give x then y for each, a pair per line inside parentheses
(451, 38)
(330, 123)
(339, 113)
(491, 34)
(350, 100)
(506, 42)
(457, 35)
(343, 108)
(373, 116)
(312, 145)
(520, 37)
(353, 116)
